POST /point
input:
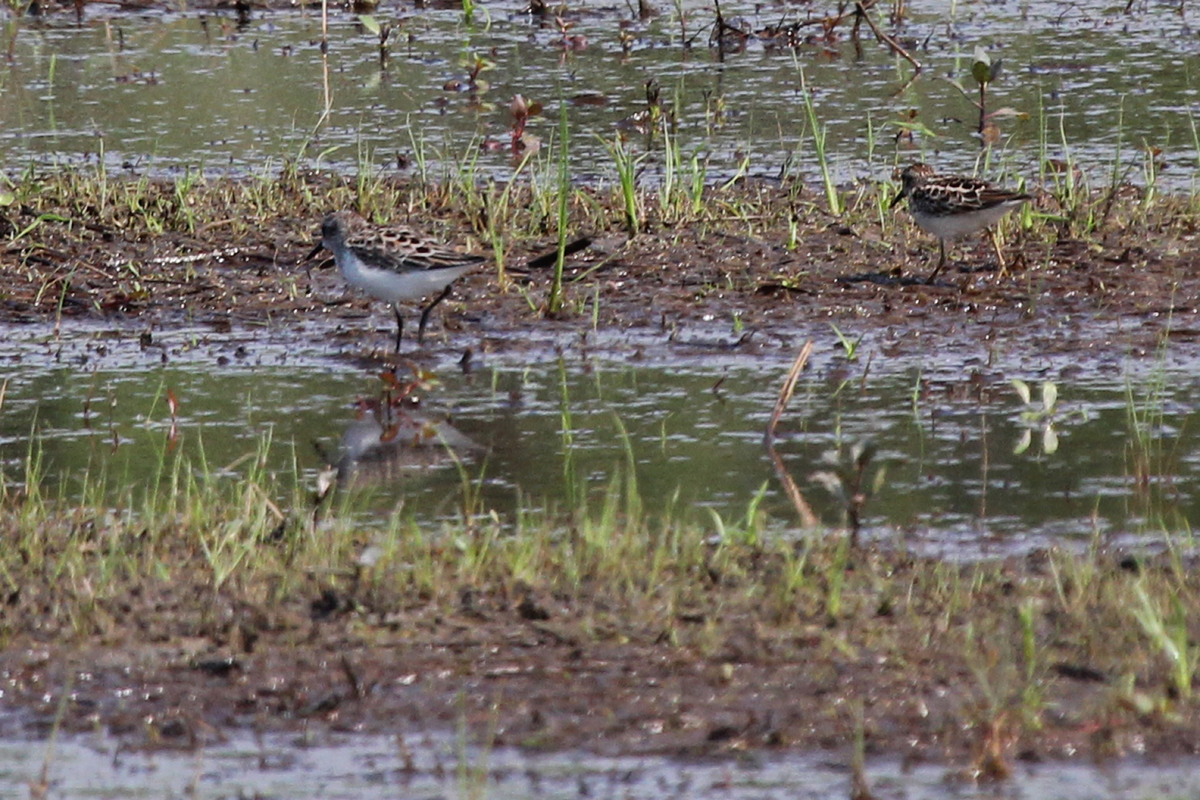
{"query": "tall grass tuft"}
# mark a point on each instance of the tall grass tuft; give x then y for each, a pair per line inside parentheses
(819, 131)
(555, 300)
(627, 165)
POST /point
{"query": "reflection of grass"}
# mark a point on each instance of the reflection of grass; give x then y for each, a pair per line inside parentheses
(473, 772)
(1152, 453)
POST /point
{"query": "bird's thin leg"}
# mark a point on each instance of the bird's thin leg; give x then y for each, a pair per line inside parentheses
(941, 262)
(399, 325)
(425, 314)
(999, 255)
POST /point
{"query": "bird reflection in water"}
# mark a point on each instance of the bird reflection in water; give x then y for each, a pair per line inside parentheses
(392, 438)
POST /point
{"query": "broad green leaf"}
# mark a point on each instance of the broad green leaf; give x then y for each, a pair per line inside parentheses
(1022, 389)
(1049, 395)
(369, 22)
(981, 70)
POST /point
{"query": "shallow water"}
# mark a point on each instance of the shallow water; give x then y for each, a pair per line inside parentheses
(1113, 462)
(167, 91)
(431, 767)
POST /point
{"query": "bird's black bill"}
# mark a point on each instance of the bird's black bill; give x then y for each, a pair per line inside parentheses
(895, 201)
(315, 250)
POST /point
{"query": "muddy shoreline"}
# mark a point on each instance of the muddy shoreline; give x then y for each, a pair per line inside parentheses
(1127, 288)
(170, 663)
(548, 673)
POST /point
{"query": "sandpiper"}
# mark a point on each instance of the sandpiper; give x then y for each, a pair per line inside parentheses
(392, 263)
(953, 206)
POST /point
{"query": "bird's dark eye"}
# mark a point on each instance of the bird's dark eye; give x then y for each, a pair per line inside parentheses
(329, 228)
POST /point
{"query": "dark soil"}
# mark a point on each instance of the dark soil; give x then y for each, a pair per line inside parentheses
(178, 664)
(1126, 285)
(556, 672)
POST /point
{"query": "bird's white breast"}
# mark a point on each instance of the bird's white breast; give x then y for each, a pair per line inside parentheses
(956, 226)
(396, 286)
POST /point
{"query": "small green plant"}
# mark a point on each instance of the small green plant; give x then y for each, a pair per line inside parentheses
(1151, 164)
(916, 398)
(183, 197)
(699, 172)
(748, 530)
(1031, 697)
(627, 166)
(1149, 453)
(1070, 186)
(1037, 415)
(671, 159)
(984, 71)
(385, 32)
(849, 347)
(835, 577)
(420, 150)
(473, 774)
(994, 672)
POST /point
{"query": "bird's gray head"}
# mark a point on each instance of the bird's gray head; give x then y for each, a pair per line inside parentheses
(911, 177)
(335, 226)
(330, 226)
(339, 223)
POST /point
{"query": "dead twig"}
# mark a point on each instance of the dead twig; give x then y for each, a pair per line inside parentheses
(861, 12)
(807, 518)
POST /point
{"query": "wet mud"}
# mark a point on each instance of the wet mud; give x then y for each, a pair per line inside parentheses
(178, 662)
(1127, 286)
(176, 665)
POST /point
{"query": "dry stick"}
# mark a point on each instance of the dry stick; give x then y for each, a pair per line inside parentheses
(996, 246)
(883, 37)
(328, 97)
(900, 91)
(785, 394)
(807, 518)
(720, 27)
(983, 112)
